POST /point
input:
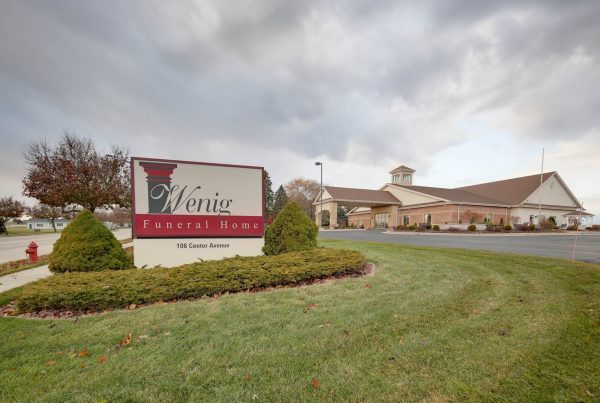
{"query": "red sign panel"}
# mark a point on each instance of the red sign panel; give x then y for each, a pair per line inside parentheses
(172, 225)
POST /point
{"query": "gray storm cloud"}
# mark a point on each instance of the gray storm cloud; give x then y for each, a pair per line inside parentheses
(396, 79)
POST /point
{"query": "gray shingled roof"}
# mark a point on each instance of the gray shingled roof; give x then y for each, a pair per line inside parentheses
(457, 195)
(367, 195)
(505, 192)
(509, 191)
(402, 168)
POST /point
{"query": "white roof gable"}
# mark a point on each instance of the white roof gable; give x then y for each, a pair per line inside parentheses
(553, 192)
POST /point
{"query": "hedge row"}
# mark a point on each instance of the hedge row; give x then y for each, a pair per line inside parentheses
(94, 291)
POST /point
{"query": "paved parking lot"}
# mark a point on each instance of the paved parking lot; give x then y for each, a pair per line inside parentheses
(560, 246)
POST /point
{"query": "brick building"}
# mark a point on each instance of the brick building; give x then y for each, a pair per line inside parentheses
(509, 201)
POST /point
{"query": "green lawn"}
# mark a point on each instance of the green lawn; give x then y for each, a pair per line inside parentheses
(22, 230)
(431, 325)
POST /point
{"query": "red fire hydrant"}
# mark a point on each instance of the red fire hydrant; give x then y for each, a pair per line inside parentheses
(32, 252)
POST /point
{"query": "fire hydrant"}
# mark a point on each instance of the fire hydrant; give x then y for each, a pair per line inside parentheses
(32, 252)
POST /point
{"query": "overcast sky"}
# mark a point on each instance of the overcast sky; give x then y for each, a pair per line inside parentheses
(461, 91)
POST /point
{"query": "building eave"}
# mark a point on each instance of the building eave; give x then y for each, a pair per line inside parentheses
(412, 191)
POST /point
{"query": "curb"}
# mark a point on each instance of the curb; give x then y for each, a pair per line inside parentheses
(484, 234)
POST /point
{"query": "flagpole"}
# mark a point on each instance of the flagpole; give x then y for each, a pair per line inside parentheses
(540, 191)
(577, 231)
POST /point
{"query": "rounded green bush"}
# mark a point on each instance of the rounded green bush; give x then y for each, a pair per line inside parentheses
(292, 230)
(435, 227)
(471, 227)
(87, 245)
(508, 227)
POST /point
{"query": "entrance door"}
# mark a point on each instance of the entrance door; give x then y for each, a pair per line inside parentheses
(382, 220)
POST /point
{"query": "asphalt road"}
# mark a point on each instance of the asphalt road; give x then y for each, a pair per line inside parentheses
(560, 246)
(13, 248)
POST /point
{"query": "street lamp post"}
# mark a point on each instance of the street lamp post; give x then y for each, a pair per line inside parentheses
(320, 195)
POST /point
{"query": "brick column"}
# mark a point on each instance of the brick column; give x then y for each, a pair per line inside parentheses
(332, 215)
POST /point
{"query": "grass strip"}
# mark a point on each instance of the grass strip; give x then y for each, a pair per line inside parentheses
(21, 264)
(92, 291)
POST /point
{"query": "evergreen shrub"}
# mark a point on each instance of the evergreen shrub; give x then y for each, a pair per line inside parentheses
(87, 245)
(118, 289)
(471, 227)
(292, 230)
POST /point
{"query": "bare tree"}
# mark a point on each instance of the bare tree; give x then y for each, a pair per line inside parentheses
(75, 174)
(472, 216)
(46, 212)
(121, 216)
(515, 219)
(303, 191)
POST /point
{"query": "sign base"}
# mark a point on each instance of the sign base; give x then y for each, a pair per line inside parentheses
(171, 252)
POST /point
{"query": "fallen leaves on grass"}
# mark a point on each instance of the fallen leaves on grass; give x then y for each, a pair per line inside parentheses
(368, 286)
(315, 383)
(50, 363)
(311, 307)
(102, 359)
(326, 324)
(125, 341)
(247, 378)
(83, 353)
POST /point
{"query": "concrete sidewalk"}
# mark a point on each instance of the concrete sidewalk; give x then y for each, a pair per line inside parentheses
(20, 278)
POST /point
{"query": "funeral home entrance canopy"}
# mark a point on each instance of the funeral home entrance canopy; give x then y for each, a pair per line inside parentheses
(350, 197)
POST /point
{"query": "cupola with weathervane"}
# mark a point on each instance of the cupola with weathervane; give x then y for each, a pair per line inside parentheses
(402, 175)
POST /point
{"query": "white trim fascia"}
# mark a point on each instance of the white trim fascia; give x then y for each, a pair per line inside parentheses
(359, 201)
(413, 206)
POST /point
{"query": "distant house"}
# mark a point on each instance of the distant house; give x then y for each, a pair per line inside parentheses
(509, 201)
(37, 224)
